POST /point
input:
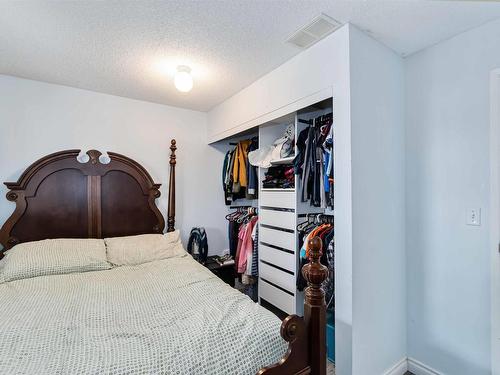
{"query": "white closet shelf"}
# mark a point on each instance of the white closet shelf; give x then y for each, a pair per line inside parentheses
(288, 160)
(276, 189)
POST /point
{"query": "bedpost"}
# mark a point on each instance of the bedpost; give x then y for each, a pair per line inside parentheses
(171, 189)
(315, 307)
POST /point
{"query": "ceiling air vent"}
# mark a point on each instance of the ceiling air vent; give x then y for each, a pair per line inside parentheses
(314, 31)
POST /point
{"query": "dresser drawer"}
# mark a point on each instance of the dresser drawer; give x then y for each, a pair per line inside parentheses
(280, 219)
(279, 199)
(277, 297)
(285, 240)
(277, 276)
(277, 257)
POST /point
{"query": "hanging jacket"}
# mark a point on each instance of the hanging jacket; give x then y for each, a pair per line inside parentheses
(252, 172)
(298, 161)
(225, 179)
(240, 165)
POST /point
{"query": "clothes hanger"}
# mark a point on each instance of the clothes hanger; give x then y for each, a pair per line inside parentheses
(302, 225)
(231, 215)
(247, 215)
(239, 215)
(242, 217)
(307, 225)
(234, 215)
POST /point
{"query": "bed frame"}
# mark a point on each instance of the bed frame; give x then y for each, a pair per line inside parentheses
(61, 197)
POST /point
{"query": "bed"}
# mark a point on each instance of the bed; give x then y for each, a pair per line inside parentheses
(168, 316)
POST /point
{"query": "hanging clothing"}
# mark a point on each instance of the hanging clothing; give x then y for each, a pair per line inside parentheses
(255, 254)
(233, 230)
(326, 233)
(252, 178)
(246, 254)
(246, 245)
(329, 285)
(328, 171)
(308, 168)
(241, 236)
(228, 198)
(239, 178)
(314, 162)
(240, 166)
(298, 161)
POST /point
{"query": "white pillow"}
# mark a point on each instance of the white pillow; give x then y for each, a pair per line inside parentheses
(143, 248)
(53, 257)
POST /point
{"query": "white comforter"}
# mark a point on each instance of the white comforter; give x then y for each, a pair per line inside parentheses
(165, 317)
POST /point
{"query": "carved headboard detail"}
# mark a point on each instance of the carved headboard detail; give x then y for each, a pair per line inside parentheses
(59, 197)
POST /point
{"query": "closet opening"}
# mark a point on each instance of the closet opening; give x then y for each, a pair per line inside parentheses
(292, 158)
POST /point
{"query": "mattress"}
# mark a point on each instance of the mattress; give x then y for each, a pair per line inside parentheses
(164, 317)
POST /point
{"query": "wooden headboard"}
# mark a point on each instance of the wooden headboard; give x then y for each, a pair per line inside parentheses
(59, 197)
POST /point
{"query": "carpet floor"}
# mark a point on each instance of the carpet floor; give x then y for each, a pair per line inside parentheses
(330, 368)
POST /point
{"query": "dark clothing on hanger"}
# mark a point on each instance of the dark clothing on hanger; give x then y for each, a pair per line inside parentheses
(314, 164)
(227, 195)
(233, 230)
(239, 177)
(298, 161)
(252, 179)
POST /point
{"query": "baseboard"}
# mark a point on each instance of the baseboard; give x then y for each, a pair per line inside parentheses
(418, 368)
(399, 368)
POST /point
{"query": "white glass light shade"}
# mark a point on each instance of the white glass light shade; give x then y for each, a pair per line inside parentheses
(183, 80)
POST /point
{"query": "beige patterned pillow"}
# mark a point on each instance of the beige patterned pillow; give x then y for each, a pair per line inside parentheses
(143, 248)
(53, 257)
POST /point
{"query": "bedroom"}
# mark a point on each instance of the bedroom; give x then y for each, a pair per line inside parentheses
(409, 86)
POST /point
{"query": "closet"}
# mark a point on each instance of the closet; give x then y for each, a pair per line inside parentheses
(283, 206)
(281, 210)
(294, 197)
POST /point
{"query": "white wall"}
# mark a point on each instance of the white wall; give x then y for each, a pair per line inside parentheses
(378, 205)
(447, 171)
(495, 218)
(38, 118)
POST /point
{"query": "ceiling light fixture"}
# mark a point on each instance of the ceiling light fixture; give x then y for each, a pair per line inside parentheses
(183, 80)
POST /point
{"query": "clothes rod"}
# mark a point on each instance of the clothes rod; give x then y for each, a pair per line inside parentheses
(236, 143)
(316, 215)
(309, 122)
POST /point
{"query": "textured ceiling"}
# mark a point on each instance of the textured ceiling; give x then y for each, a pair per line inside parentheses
(131, 48)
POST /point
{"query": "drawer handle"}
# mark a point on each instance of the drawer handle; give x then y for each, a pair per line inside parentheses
(277, 209)
(277, 247)
(277, 287)
(277, 267)
(277, 228)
